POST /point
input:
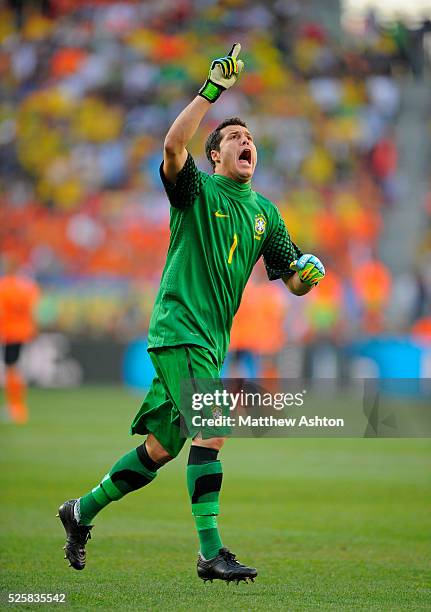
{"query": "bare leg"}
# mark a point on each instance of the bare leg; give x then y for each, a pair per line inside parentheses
(156, 451)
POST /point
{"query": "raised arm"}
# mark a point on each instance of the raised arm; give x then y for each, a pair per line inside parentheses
(180, 133)
(223, 73)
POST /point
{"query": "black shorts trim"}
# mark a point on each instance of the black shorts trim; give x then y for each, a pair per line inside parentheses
(190, 367)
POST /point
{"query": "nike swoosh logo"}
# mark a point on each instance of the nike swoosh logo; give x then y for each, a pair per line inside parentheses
(220, 214)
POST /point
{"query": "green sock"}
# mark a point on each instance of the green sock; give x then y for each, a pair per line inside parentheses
(209, 537)
(204, 478)
(132, 472)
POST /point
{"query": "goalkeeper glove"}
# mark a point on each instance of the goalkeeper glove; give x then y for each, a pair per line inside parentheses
(309, 268)
(223, 73)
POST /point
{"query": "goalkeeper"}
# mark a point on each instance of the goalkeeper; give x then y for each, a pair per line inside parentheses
(220, 227)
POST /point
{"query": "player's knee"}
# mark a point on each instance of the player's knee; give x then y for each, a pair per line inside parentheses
(156, 451)
(215, 443)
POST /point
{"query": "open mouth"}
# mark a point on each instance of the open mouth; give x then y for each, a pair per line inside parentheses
(245, 156)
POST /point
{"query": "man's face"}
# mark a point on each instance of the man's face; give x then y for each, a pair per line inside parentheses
(237, 157)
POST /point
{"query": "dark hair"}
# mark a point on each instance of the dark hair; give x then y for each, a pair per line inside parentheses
(214, 139)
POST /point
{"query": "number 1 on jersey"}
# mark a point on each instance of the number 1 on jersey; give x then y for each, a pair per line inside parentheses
(232, 248)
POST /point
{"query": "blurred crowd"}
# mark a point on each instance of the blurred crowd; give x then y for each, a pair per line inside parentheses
(87, 95)
(420, 284)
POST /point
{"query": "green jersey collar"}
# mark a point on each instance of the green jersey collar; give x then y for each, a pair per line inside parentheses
(234, 187)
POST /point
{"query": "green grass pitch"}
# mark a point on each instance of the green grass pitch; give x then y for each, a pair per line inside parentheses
(330, 524)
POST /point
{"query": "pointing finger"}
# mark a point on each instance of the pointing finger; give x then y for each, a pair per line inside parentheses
(234, 52)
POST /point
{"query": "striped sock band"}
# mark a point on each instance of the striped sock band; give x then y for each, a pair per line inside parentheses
(132, 472)
(204, 479)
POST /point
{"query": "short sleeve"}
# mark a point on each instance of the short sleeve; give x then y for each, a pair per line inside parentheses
(187, 187)
(279, 252)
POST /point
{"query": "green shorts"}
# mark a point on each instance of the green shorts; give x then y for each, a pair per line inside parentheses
(160, 411)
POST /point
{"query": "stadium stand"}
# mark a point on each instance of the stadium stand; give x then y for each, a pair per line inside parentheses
(88, 93)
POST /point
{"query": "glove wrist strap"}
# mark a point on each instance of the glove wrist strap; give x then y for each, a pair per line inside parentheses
(211, 91)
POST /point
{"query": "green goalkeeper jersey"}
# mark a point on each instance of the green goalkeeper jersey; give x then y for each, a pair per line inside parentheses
(219, 229)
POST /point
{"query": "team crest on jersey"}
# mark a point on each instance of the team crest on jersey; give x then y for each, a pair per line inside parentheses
(259, 226)
(216, 411)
